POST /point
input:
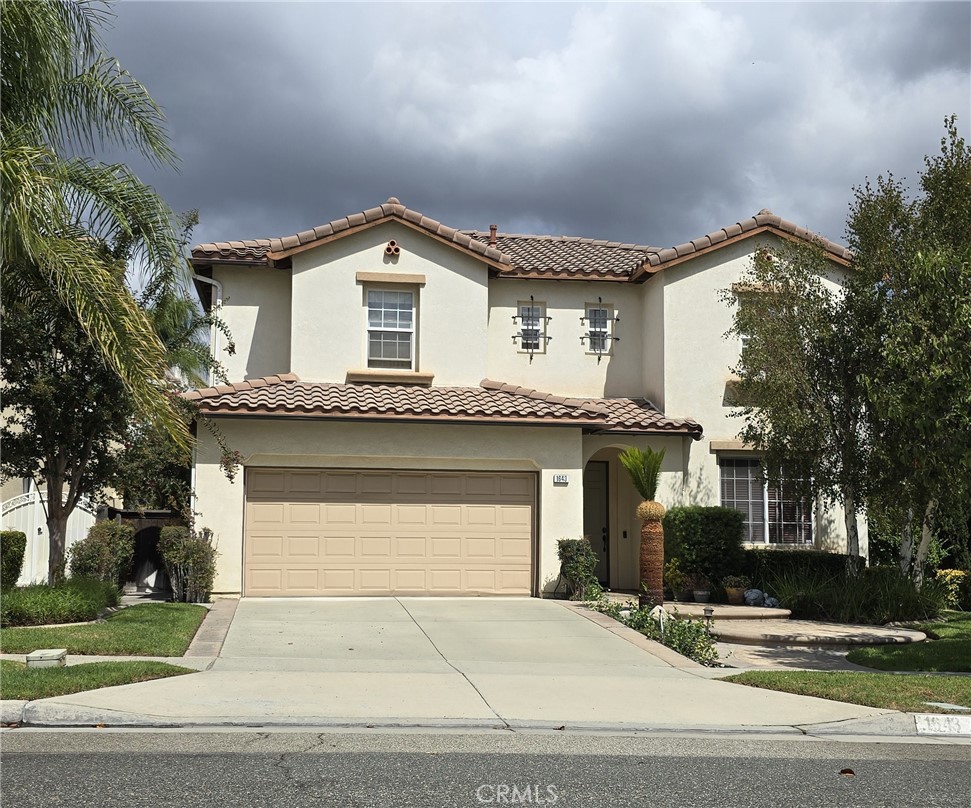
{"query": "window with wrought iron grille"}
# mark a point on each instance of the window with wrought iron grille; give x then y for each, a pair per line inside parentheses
(599, 319)
(774, 514)
(391, 329)
(532, 327)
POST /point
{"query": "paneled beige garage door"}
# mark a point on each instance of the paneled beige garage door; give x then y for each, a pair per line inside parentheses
(324, 532)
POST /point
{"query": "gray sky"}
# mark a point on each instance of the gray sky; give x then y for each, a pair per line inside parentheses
(645, 122)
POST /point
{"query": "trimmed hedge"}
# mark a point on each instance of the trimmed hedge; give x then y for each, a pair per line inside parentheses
(13, 545)
(73, 601)
(190, 560)
(705, 540)
(105, 554)
(764, 565)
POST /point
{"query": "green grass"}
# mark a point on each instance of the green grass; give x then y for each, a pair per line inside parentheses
(150, 629)
(886, 690)
(17, 681)
(947, 649)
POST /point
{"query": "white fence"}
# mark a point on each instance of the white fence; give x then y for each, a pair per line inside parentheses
(28, 513)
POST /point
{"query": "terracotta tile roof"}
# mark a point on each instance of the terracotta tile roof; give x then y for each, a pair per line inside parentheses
(765, 219)
(491, 402)
(520, 255)
(277, 249)
(569, 256)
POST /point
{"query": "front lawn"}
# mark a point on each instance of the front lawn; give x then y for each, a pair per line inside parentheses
(150, 629)
(947, 649)
(886, 690)
(17, 681)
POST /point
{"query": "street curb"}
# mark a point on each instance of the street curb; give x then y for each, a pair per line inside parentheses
(662, 652)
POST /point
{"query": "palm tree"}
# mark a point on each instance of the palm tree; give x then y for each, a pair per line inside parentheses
(61, 96)
(644, 467)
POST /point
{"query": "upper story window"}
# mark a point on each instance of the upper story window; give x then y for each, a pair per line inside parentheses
(599, 319)
(774, 514)
(391, 329)
(532, 327)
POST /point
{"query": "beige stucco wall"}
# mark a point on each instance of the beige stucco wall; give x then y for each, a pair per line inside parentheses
(285, 442)
(329, 335)
(567, 367)
(256, 308)
(698, 357)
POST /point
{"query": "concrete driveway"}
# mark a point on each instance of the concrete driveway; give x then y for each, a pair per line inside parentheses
(444, 662)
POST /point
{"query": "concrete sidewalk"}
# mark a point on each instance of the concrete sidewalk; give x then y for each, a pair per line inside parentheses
(507, 663)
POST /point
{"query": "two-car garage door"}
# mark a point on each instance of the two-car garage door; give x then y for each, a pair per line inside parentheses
(344, 532)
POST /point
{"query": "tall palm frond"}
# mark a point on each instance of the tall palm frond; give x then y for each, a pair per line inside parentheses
(644, 467)
(64, 216)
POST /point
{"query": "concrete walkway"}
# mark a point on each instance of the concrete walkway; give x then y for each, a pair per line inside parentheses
(474, 662)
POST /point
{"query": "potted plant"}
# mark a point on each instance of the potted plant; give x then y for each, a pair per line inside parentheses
(735, 586)
(644, 467)
(677, 580)
(701, 588)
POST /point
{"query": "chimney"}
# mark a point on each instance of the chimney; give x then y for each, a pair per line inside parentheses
(492, 234)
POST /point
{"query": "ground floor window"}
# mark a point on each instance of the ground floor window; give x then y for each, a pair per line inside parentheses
(774, 514)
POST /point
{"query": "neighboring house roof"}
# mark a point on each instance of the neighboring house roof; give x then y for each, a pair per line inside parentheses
(490, 403)
(275, 251)
(518, 255)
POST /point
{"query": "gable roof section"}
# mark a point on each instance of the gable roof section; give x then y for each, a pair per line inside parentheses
(492, 403)
(278, 251)
(764, 221)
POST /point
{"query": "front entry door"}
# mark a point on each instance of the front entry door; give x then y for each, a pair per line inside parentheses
(595, 525)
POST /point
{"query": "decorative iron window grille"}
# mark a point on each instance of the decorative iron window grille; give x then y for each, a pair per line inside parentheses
(599, 337)
(532, 321)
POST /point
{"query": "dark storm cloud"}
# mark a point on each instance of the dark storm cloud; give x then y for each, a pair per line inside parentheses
(649, 123)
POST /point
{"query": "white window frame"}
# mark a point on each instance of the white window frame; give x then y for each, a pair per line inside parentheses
(540, 326)
(379, 363)
(606, 333)
(765, 539)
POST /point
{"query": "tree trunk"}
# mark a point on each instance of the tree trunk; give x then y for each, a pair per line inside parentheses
(652, 563)
(849, 519)
(907, 544)
(57, 516)
(926, 530)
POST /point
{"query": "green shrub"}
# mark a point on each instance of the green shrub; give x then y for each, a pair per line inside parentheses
(13, 544)
(578, 566)
(105, 554)
(706, 540)
(875, 596)
(768, 564)
(190, 560)
(690, 638)
(73, 601)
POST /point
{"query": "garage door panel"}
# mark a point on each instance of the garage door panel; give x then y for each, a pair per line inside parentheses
(342, 533)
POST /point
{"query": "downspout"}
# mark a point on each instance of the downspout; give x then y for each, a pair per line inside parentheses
(214, 310)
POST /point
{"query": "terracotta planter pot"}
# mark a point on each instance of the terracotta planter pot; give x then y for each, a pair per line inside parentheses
(736, 596)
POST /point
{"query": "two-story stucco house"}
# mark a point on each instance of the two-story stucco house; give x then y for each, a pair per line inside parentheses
(423, 410)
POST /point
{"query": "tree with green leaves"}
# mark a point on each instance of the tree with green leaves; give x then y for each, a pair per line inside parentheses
(864, 391)
(644, 468)
(802, 399)
(61, 97)
(913, 282)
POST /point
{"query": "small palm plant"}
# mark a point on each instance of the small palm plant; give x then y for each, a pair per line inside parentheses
(644, 467)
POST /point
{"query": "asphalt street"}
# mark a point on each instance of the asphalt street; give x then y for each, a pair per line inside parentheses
(361, 768)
